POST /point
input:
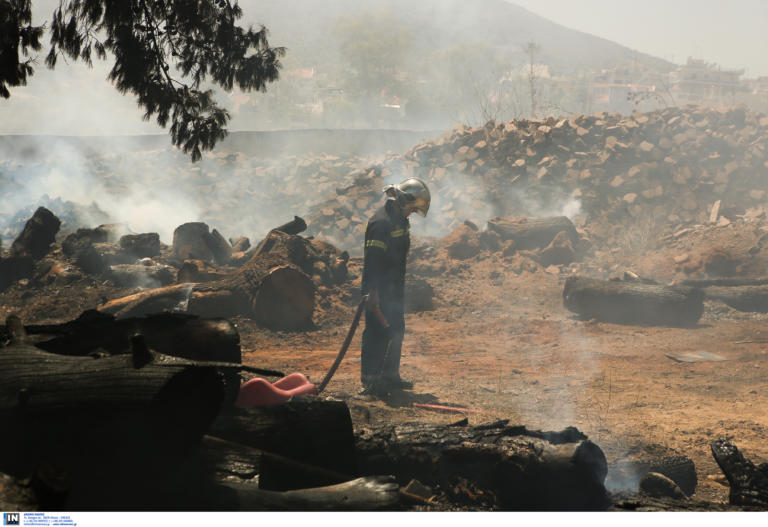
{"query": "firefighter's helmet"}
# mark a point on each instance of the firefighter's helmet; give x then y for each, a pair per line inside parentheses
(412, 192)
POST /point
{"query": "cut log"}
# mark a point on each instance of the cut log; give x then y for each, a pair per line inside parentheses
(144, 245)
(533, 233)
(179, 335)
(749, 486)
(626, 475)
(633, 302)
(749, 298)
(521, 469)
(273, 286)
(724, 282)
(315, 432)
(93, 418)
(295, 226)
(373, 493)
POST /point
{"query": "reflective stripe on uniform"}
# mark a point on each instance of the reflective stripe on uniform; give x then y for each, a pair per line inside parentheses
(398, 232)
(376, 243)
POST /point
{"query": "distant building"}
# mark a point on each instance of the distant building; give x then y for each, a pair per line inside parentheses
(701, 81)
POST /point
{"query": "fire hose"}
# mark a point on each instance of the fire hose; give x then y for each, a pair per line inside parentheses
(348, 340)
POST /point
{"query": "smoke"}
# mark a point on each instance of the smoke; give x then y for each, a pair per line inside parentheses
(104, 188)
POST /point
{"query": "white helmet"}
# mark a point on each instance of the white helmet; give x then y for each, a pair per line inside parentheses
(412, 192)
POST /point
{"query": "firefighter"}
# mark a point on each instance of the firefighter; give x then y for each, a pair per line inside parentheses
(387, 241)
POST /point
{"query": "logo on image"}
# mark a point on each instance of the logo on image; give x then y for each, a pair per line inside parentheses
(11, 518)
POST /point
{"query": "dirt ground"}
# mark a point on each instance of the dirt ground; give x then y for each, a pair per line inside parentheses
(503, 346)
(500, 344)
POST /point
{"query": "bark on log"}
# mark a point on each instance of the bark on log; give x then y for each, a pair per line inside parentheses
(632, 302)
(175, 334)
(533, 233)
(751, 298)
(724, 282)
(295, 226)
(520, 468)
(749, 486)
(314, 432)
(95, 418)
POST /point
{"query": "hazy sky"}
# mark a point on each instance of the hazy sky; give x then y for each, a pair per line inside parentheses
(733, 33)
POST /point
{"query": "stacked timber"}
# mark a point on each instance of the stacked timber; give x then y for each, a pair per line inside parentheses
(678, 164)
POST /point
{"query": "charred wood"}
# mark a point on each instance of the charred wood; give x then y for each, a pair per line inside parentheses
(314, 432)
(632, 302)
(519, 468)
(273, 286)
(176, 334)
(95, 418)
(37, 236)
(749, 485)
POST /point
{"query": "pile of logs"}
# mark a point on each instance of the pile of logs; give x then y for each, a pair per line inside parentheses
(274, 283)
(673, 163)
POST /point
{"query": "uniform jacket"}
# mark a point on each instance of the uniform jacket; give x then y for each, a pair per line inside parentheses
(387, 240)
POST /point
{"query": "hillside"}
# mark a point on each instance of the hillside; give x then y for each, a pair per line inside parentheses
(306, 26)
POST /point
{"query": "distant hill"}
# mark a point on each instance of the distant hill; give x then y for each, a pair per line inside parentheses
(306, 28)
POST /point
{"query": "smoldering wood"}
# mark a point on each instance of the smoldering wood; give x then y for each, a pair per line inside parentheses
(633, 302)
(748, 484)
(533, 233)
(679, 469)
(520, 468)
(750, 298)
(315, 432)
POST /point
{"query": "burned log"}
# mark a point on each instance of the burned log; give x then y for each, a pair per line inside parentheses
(533, 233)
(313, 432)
(273, 286)
(93, 418)
(749, 485)
(626, 475)
(750, 298)
(38, 235)
(372, 493)
(520, 468)
(175, 334)
(29, 246)
(633, 302)
(295, 226)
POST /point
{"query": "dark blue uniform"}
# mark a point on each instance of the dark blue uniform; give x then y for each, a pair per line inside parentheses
(387, 240)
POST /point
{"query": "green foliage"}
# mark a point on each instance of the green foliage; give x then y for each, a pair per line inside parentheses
(163, 51)
(17, 36)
